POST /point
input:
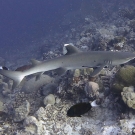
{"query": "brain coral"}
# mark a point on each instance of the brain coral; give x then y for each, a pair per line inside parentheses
(125, 77)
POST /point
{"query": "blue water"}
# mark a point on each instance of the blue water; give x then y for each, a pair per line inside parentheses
(22, 21)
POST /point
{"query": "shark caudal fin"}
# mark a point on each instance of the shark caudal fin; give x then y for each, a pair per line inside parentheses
(16, 76)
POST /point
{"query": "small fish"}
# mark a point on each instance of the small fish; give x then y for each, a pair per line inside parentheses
(4, 68)
(22, 68)
(79, 109)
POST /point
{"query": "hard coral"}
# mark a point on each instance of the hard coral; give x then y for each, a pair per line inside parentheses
(22, 111)
(33, 126)
(117, 42)
(92, 89)
(128, 96)
(124, 77)
(50, 99)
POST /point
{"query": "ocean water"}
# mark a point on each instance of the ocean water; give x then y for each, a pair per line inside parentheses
(22, 22)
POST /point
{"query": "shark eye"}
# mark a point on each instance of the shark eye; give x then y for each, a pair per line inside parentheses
(94, 61)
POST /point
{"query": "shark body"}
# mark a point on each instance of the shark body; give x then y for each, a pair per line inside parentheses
(73, 59)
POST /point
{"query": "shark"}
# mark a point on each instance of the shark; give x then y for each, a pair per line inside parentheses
(73, 58)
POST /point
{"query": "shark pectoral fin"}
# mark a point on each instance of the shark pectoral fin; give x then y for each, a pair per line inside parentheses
(16, 76)
(69, 49)
(97, 70)
(60, 71)
(35, 62)
(38, 76)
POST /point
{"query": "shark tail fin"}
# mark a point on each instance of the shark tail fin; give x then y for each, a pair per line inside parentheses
(16, 76)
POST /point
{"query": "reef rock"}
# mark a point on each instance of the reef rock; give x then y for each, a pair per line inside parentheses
(107, 33)
(127, 125)
(124, 78)
(22, 111)
(91, 89)
(33, 85)
(110, 130)
(128, 96)
(49, 88)
(2, 108)
(5, 86)
(33, 126)
(50, 99)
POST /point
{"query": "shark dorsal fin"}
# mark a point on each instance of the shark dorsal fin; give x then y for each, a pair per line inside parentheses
(35, 62)
(69, 49)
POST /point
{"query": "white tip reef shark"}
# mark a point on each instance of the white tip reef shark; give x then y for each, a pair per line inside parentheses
(73, 59)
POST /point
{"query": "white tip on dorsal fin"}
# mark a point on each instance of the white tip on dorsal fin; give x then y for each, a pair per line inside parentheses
(35, 62)
(70, 49)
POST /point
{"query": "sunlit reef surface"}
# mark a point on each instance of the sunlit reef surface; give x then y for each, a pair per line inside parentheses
(39, 30)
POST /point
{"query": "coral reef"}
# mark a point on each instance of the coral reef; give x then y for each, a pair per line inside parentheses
(110, 130)
(33, 126)
(22, 111)
(86, 30)
(92, 89)
(49, 88)
(6, 85)
(117, 42)
(132, 24)
(124, 78)
(127, 125)
(128, 96)
(55, 121)
(127, 13)
(2, 108)
(107, 33)
(50, 99)
(33, 85)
